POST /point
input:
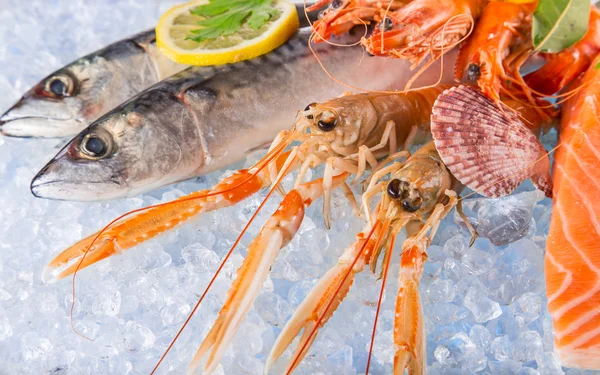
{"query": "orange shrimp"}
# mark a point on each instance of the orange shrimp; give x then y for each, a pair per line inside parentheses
(342, 15)
(423, 29)
(561, 68)
(500, 44)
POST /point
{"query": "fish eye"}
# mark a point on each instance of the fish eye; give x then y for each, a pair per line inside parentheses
(473, 72)
(95, 146)
(310, 117)
(60, 86)
(412, 204)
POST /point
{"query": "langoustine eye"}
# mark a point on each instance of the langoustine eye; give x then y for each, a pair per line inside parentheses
(411, 200)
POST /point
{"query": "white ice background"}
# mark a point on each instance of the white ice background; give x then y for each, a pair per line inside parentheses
(485, 306)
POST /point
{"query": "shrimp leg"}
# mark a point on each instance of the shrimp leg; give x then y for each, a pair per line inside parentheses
(279, 230)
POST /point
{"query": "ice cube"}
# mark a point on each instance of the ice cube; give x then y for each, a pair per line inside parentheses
(174, 312)
(441, 291)
(272, 308)
(548, 364)
(456, 246)
(528, 371)
(445, 313)
(47, 303)
(442, 355)
(527, 309)
(528, 346)
(6, 330)
(483, 308)
(35, 347)
(475, 361)
(460, 346)
(480, 336)
(137, 337)
(504, 220)
(478, 262)
(501, 348)
(201, 258)
(107, 303)
(504, 367)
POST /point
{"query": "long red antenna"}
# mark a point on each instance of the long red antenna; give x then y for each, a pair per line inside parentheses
(385, 273)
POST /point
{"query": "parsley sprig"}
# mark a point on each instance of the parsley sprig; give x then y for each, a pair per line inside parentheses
(225, 17)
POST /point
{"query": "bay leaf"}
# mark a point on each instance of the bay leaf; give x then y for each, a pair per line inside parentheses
(558, 24)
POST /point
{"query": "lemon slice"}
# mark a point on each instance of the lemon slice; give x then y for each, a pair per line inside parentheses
(178, 22)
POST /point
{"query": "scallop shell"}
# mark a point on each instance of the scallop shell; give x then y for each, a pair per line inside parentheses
(486, 146)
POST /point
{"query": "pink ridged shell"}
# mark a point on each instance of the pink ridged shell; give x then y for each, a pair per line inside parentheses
(486, 148)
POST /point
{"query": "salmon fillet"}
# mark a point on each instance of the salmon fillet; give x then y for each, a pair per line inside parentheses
(573, 247)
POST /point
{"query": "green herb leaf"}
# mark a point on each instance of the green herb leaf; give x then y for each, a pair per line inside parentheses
(558, 24)
(225, 17)
(597, 65)
(260, 16)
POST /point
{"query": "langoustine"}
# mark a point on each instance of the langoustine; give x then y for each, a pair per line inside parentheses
(572, 252)
(201, 120)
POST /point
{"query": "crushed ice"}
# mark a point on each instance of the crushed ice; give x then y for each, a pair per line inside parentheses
(485, 306)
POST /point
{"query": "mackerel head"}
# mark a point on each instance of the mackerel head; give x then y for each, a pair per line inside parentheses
(66, 101)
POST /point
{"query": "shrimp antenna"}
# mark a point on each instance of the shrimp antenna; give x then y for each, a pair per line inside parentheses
(282, 174)
(337, 290)
(385, 274)
(442, 53)
(385, 16)
(260, 165)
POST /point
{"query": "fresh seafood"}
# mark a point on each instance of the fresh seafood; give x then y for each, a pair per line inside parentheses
(342, 15)
(572, 251)
(563, 67)
(421, 190)
(189, 125)
(424, 29)
(345, 133)
(422, 187)
(66, 101)
(498, 47)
